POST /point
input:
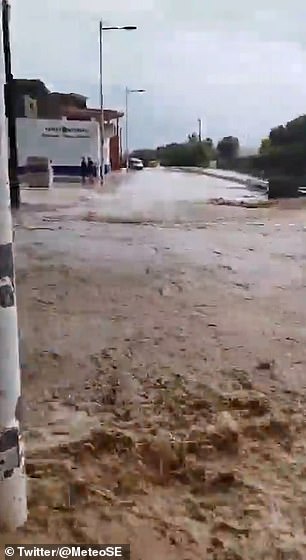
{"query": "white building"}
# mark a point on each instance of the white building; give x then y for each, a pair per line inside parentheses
(63, 141)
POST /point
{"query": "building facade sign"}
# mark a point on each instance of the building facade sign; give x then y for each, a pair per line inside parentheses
(66, 132)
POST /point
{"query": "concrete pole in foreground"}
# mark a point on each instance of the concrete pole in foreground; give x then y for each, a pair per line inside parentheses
(10, 106)
(13, 502)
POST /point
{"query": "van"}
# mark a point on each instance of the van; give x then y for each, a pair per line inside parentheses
(136, 164)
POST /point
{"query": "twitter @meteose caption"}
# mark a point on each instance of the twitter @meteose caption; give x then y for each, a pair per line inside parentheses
(67, 551)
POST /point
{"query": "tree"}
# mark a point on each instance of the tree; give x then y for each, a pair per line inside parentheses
(284, 152)
(278, 136)
(228, 148)
(265, 146)
(187, 154)
(293, 132)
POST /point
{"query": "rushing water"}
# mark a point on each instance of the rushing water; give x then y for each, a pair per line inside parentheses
(148, 195)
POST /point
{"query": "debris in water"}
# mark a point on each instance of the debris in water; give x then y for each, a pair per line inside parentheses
(265, 365)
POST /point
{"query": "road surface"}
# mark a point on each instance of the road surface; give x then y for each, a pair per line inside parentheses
(165, 378)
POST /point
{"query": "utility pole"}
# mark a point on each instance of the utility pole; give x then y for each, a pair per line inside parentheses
(102, 129)
(200, 129)
(10, 107)
(13, 500)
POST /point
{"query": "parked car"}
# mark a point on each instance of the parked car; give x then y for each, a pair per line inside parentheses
(136, 164)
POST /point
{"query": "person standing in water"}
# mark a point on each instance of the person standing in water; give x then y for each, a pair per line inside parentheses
(84, 170)
(90, 170)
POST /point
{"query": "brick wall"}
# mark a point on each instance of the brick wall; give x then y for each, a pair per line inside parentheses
(115, 153)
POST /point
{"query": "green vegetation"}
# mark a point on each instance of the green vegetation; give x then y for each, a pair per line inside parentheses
(281, 156)
(192, 153)
(228, 149)
(265, 146)
(284, 152)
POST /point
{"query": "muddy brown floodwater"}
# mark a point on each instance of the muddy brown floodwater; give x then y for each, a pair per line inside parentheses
(164, 382)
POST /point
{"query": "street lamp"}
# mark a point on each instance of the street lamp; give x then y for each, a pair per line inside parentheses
(127, 92)
(103, 28)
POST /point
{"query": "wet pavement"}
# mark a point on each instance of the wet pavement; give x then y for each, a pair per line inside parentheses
(150, 195)
(264, 249)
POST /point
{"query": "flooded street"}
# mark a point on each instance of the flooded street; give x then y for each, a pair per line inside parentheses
(150, 195)
(164, 381)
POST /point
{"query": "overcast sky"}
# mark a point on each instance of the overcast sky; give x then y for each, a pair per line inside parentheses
(239, 65)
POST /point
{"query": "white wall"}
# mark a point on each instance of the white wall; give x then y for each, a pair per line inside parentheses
(64, 142)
